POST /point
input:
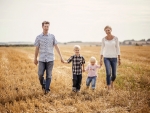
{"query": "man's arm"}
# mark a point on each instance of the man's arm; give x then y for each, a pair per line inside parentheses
(36, 55)
(58, 51)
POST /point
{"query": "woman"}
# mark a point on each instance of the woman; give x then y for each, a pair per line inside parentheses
(110, 50)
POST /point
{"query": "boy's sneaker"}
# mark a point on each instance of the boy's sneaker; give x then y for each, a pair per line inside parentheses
(43, 87)
(47, 91)
(74, 89)
(78, 91)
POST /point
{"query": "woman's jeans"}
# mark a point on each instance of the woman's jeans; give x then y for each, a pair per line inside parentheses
(111, 68)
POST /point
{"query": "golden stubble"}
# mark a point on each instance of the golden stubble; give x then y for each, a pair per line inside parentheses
(20, 90)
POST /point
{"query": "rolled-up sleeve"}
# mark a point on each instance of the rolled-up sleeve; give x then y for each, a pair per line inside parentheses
(70, 59)
(54, 41)
(83, 60)
(102, 47)
(117, 47)
(37, 42)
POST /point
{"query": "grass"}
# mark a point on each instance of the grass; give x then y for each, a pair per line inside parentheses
(20, 90)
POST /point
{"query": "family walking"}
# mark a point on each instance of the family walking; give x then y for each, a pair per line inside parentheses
(110, 53)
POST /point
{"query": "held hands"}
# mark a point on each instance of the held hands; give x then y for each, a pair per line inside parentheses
(62, 60)
(101, 62)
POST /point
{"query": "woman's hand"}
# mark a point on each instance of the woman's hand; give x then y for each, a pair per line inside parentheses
(119, 62)
(101, 62)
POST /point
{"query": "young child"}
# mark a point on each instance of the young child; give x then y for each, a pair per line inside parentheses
(77, 68)
(92, 73)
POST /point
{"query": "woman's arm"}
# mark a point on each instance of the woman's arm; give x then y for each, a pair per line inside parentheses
(101, 53)
(119, 60)
(118, 51)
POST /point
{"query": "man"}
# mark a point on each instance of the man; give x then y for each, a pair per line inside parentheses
(45, 43)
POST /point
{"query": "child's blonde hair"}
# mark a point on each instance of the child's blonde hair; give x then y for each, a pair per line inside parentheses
(93, 59)
(77, 46)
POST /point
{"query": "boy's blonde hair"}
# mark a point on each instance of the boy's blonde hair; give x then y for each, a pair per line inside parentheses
(77, 46)
(93, 59)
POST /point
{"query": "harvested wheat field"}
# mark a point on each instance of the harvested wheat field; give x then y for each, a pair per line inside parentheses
(20, 90)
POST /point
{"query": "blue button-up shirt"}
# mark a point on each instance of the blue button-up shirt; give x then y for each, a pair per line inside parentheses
(46, 47)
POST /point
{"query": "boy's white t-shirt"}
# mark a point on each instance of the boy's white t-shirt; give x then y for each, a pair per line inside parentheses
(92, 70)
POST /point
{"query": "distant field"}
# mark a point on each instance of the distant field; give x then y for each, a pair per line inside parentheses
(20, 90)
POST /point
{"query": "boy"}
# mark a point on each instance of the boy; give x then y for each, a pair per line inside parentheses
(77, 68)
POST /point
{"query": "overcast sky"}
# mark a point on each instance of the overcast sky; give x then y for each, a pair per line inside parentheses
(71, 20)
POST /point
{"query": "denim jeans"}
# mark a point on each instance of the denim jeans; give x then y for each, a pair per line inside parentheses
(91, 80)
(48, 66)
(111, 68)
(77, 79)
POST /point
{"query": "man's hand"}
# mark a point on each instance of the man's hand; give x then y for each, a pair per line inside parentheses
(36, 55)
(62, 60)
(35, 61)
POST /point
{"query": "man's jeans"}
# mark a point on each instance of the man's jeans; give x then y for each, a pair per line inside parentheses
(91, 80)
(111, 67)
(48, 66)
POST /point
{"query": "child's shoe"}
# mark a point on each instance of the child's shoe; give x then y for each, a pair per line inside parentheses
(74, 89)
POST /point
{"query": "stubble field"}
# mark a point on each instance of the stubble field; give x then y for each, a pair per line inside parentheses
(20, 90)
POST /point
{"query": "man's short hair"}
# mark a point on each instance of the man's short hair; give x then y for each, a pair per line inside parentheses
(45, 22)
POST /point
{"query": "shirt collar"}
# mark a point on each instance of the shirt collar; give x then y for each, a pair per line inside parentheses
(77, 56)
(45, 35)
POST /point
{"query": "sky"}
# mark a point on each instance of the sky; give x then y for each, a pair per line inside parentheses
(74, 20)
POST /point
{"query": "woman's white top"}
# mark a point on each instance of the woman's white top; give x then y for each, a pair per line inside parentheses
(110, 48)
